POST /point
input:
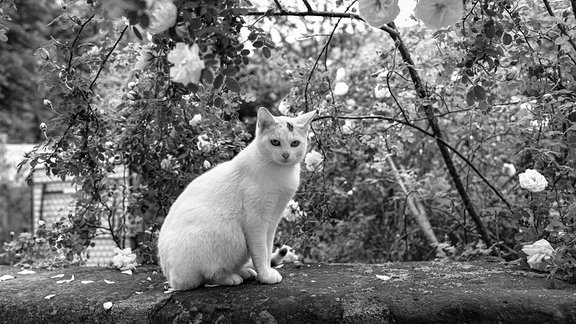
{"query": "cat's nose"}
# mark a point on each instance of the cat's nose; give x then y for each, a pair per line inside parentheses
(286, 155)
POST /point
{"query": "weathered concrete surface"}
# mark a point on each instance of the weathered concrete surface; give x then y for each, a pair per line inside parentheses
(424, 292)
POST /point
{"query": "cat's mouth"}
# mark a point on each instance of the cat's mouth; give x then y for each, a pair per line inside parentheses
(286, 162)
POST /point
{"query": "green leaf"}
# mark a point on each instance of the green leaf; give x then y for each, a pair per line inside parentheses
(470, 97)
(230, 70)
(137, 33)
(266, 52)
(195, 23)
(506, 39)
(479, 92)
(208, 76)
(218, 81)
(258, 44)
(232, 84)
(218, 102)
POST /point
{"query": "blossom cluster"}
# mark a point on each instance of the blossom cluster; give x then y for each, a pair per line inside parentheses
(124, 259)
(293, 211)
(433, 13)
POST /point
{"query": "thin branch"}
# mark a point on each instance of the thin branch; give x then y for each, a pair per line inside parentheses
(76, 40)
(433, 122)
(560, 26)
(279, 5)
(324, 49)
(326, 14)
(308, 6)
(108, 56)
(425, 132)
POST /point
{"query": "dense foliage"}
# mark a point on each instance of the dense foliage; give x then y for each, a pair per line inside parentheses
(489, 97)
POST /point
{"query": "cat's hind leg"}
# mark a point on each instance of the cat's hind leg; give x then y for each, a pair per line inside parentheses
(247, 273)
(190, 281)
(233, 279)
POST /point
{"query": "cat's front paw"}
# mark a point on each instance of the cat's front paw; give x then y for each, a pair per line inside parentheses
(271, 276)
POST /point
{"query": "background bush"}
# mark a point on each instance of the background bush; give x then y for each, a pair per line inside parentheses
(500, 84)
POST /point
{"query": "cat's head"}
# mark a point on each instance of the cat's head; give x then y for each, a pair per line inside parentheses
(283, 140)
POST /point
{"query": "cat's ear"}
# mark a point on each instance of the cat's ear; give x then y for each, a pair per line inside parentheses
(305, 119)
(265, 118)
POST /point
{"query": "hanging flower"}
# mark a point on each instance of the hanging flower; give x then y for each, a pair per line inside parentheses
(115, 9)
(340, 74)
(509, 169)
(538, 252)
(532, 180)
(439, 13)
(166, 164)
(204, 143)
(340, 89)
(145, 60)
(378, 12)
(293, 211)
(381, 91)
(187, 64)
(207, 165)
(195, 120)
(284, 107)
(313, 160)
(162, 16)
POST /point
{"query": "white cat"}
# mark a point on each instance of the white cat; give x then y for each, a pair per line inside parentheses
(230, 213)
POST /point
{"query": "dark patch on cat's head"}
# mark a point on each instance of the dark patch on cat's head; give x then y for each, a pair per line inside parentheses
(290, 126)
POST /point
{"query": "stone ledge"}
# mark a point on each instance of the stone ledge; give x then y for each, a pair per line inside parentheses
(415, 292)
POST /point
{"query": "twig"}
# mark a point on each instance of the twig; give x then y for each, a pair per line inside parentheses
(423, 131)
(76, 40)
(324, 49)
(108, 56)
(415, 207)
(326, 14)
(432, 120)
(308, 6)
(561, 26)
(279, 5)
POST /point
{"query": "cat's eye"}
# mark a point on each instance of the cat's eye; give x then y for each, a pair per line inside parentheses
(295, 143)
(275, 142)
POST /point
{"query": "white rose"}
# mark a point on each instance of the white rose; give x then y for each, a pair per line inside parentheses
(378, 12)
(162, 16)
(340, 89)
(313, 160)
(204, 143)
(187, 64)
(340, 74)
(124, 259)
(207, 165)
(381, 91)
(195, 120)
(284, 107)
(538, 251)
(509, 169)
(532, 180)
(439, 13)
